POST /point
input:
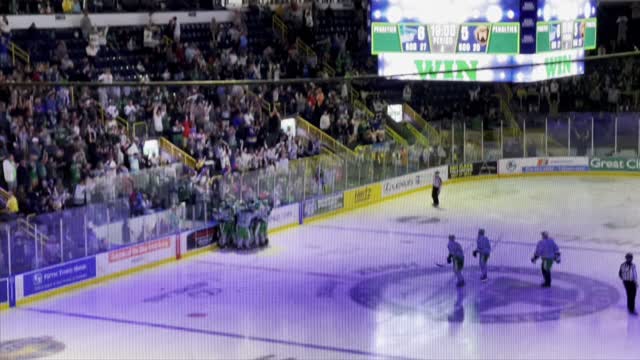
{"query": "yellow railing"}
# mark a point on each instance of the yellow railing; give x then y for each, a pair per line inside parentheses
(140, 130)
(362, 107)
(17, 53)
(121, 121)
(511, 120)
(263, 103)
(5, 194)
(306, 49)
(430, 131)
(331, 72)
(421, 139)
(31, 230)
(355, 95)
(279, 27)
(332, 143)
(395, 136)
(178, 153)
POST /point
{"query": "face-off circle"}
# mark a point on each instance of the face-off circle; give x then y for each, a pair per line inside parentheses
(512, 295)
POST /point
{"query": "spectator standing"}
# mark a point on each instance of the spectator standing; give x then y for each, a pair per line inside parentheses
(85, 25)
(622, 30)
(176, 30)
(10, 172)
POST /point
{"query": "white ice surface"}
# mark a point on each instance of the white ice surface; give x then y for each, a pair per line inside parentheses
(296, 298)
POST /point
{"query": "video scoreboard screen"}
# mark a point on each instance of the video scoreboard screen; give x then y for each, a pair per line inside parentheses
(414, 35)
(468, 38)
(559, 35)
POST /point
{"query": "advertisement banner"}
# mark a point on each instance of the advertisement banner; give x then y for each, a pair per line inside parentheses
(615, 164)
(474, 169)
(134, 256)
(539, 165)
(139, 250)
(202, 238)
(58, 276)
(413, 181)
(363, 196)
(284, 216)
(4, 291)
(323, 205)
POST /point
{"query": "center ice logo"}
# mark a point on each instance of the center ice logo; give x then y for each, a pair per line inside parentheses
(513, 295)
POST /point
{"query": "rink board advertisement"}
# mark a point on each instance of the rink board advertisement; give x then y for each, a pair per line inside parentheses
(363, 196)
(55, 277)
(323, 205)
(284, 216)
(137, 255)
(473, 169)
(543, 165)
(202, 237)
(412, 182)
(615, 164)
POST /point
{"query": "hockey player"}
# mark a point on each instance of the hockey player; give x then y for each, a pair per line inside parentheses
(483, 248)
(435, 190)
(456, 255)
(264, 211)
(549, 252)
(629, 278)
(226, 224)
(243, 227)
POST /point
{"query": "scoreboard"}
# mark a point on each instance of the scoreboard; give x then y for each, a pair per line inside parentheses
(412, 35)
(468, 38)
(559, 35)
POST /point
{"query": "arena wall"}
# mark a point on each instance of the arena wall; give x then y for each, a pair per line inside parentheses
(62, 278)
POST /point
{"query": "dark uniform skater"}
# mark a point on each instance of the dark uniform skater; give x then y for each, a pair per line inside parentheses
(549, 252)
(483, 248)
(456, 256)
(629, 278)
(435, 191)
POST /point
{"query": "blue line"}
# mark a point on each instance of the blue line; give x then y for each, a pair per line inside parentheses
(217, 333)
(431, 236)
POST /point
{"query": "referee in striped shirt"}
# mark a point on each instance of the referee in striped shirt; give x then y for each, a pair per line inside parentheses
(629, 278)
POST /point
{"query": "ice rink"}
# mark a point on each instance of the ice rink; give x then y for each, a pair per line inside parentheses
(364, 285)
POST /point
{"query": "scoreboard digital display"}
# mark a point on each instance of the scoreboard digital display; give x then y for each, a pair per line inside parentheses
(468, 38)
(558, 35)
(463, 36)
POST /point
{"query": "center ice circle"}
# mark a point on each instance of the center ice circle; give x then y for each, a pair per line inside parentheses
(512, 295)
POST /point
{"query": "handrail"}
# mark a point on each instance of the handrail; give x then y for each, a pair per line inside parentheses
(331, 72)
(306, 49)
(334, 144)
(421, 139)
(138, 125)
(279, 27)
(407, 109)
(18, 52)
(5, 194)
(178, 153)
(399, 139)
(263, 103)
(362, 107)
(32, 230)
(432, 133)
(508, 114)
(121, 121)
